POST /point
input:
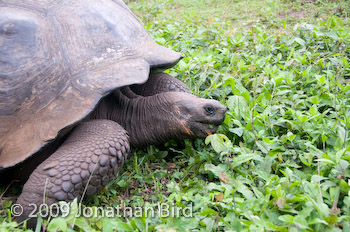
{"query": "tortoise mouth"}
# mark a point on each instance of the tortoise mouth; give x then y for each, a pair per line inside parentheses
(212, 128)
(203, 129)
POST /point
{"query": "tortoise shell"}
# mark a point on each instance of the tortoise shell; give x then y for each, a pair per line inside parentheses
(58, 59)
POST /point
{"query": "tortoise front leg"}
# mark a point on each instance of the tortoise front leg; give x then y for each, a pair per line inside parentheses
(81, 167)
(159, 83)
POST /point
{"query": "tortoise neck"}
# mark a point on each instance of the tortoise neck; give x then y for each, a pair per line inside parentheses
(147, 119)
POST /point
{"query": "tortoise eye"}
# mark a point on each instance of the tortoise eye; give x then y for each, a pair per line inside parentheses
(209, 110)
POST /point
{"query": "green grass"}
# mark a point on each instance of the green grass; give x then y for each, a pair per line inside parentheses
(281, 160)
(272, 13)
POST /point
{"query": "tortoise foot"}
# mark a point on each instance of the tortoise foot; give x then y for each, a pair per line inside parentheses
(81, 167)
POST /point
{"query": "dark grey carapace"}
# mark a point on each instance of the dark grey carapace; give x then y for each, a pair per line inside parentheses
(76, 93)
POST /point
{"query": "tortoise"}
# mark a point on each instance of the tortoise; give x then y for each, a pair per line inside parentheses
(80, 83)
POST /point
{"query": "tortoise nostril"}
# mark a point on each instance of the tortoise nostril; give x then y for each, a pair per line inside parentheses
(209, 110)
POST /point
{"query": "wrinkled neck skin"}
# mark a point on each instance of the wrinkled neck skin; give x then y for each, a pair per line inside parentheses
(148, 120)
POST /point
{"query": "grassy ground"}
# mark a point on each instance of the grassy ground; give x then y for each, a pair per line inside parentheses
(281, 160)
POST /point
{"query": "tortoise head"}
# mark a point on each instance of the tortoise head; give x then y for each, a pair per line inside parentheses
(198, 117)
(161, 117)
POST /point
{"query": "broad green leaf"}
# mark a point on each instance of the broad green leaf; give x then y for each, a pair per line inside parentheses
(315, 100)
(300, 41)
(313, 110)
(219, 142)
(263, 146)
(230, 81)
(57, 224)
(238, 105)
(246, 192)
(342, 134)
(305, 161)
(140, 223)
(82, 223)
(208, 212)
(326, 161)
(339, 155)
(108, 224)
(324, 138)
(317, 178)
(123, 226)
(301, 222)
(344, 186)
(215, 169)
(287, 218)
(238, 160)
(236, 224)
(216, 142)
(290, 136)
(238, 131)
(321, 207)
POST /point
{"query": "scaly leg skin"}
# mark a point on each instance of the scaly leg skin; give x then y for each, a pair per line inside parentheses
(89, 158)
(159, 83)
